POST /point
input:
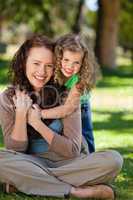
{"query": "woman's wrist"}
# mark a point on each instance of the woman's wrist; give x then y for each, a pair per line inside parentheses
(21, 114)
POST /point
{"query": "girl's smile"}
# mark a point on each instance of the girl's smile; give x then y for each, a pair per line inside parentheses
(71, 62)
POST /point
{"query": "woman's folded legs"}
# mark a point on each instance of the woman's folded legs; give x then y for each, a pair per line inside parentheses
(83, 176)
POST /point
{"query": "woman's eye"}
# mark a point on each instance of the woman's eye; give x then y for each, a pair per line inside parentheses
(36, 63)
(50, 66)
(65, 60)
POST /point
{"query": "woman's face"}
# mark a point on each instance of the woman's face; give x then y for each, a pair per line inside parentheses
(39, 67)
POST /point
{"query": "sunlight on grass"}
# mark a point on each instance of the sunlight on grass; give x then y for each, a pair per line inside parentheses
(128, 117)
(121, 60)
(114, 91)
(112, 139)
(113, 128)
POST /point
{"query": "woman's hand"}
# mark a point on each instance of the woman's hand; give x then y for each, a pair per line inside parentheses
(22, 102)
(34, 115)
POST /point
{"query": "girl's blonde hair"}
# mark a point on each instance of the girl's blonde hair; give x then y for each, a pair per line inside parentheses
(89, 67)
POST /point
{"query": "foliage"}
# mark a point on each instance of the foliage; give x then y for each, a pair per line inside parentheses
(3, 72)
(126, 27)
(90, 18)
(44, 16)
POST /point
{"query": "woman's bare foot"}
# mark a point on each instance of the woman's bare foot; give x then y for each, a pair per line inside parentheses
(96, 191)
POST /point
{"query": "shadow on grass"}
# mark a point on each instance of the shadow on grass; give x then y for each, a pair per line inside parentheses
(115, 121)
(22, 196)
(120, 77)
(114, 83)
(121, 72)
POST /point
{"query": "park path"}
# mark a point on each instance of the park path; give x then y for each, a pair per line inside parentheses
(113, 101)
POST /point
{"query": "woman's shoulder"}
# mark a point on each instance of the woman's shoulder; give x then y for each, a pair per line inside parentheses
(6, 97)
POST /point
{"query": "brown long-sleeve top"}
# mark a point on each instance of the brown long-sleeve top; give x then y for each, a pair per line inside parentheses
(67, 145)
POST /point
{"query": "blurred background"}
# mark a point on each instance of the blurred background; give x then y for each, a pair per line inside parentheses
(107, 25)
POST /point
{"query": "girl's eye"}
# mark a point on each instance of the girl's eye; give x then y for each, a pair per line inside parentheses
(77, 63)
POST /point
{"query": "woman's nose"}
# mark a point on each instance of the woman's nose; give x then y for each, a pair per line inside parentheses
(42, 70)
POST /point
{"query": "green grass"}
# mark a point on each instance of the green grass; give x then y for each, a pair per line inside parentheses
(117, 80)
(113, 127)
(113, 130)
(3, 73)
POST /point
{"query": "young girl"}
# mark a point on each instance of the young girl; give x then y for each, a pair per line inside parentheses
(76, 69)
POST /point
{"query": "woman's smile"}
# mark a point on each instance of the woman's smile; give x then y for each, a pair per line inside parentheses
(39, 78)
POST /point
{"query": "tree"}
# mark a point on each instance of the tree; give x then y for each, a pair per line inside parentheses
(44, 16)
(126, 27)
(76, 28)
(36, 14)
(107, 32)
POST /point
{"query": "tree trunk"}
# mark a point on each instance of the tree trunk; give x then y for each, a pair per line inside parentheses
(132, 56)
(107, 29)
(1, 20)
(76, 28)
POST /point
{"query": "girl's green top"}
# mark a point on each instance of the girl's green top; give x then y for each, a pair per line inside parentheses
(71, 82)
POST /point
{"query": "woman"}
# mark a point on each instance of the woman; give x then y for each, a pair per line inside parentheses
(62, 170)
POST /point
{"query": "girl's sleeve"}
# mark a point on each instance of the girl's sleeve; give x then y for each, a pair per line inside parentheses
(73, 100)
(69, 144)
(7, 120)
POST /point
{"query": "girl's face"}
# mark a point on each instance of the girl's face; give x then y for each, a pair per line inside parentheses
(39, 67)
(71, 63)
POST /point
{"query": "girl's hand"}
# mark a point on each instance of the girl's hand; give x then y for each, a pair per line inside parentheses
(34, 115)
(80, 86)
(22, 102)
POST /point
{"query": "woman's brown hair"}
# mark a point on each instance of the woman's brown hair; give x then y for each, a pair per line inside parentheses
(18, 63)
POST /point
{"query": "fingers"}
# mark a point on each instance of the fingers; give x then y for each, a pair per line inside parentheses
(36, 109)
(35, 106)
(22, 95)
(22, 100)
(14, 99)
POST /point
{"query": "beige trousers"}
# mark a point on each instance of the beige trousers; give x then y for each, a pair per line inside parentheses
(39, 176)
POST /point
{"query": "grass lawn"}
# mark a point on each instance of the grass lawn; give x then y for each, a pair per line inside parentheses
(3, 73)
(113, 125)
